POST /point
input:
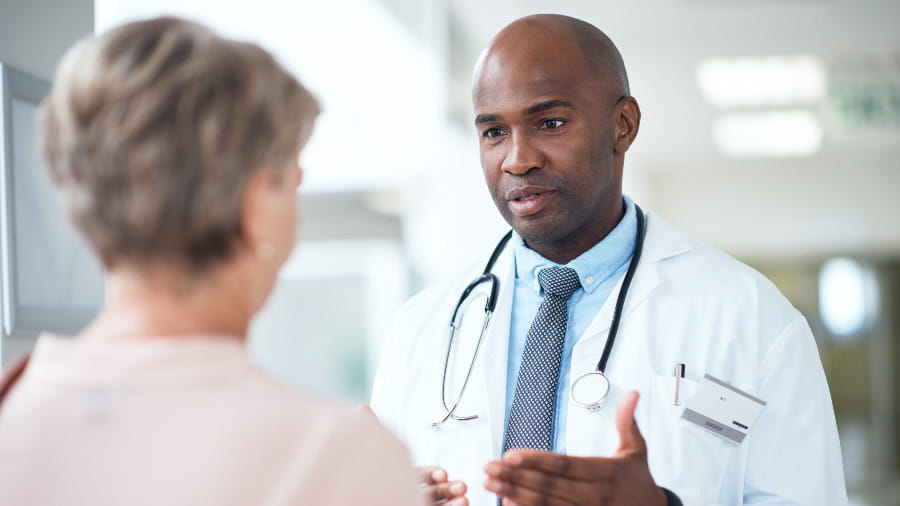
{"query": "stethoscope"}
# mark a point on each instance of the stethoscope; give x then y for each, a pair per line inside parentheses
(590, 389)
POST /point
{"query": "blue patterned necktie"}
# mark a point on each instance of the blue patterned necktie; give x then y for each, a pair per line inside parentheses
(531, 416)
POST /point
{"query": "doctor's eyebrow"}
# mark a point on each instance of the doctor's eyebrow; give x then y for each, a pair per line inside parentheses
(534, 109)
(548, 104)
(486, 118)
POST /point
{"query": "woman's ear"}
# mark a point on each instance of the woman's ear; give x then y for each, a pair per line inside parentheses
(256, 211)
(627, 122)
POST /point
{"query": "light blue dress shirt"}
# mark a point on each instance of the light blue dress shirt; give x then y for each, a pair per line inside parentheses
(599, 269)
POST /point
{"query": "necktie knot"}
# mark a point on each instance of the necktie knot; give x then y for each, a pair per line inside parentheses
(559, 281)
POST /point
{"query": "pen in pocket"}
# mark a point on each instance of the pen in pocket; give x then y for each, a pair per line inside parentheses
(679, 373)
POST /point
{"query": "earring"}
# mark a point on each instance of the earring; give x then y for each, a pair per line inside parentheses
(264, 250)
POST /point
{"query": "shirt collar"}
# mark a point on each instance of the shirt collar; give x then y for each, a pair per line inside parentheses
(593, 266)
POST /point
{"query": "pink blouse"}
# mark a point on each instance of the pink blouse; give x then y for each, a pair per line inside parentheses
(187, 421)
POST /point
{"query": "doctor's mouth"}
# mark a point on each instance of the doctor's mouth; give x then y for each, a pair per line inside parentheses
(528, 200)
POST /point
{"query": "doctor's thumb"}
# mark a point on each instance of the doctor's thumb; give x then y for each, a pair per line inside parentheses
(630, 439)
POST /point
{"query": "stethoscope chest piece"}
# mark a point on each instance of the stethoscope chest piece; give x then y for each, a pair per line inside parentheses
(590, 390)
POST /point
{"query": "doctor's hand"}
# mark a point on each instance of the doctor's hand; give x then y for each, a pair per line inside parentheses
(438, 489)
(526, 477)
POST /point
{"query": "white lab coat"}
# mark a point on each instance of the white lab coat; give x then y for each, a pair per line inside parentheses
(688, 303)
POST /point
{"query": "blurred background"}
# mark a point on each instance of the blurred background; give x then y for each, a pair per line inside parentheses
(771, 129)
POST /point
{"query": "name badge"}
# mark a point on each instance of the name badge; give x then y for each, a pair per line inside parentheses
(723, 409)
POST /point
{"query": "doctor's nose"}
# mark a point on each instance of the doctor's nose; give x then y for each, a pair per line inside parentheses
(522, 156)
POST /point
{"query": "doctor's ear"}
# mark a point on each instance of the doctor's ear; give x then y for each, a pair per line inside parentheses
(627, 117)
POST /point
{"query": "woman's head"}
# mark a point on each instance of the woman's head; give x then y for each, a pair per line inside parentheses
(155, 130)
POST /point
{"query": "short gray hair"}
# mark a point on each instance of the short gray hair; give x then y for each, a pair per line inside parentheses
(152, 131)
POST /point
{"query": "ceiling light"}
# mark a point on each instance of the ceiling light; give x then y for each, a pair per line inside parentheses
(768, 134)
(769, 81)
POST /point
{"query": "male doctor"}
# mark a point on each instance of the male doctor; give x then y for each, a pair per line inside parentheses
(555, 118)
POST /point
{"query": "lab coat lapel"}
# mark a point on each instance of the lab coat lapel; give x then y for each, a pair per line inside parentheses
(496, 346)
(660, 242)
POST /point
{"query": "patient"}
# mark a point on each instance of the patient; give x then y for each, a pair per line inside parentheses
(176, 153)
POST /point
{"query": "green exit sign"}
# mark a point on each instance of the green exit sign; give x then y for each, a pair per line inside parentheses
(872, 104)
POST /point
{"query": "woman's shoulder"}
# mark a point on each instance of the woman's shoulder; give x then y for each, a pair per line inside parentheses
(286, 408)
(338, 453)
(322, 451)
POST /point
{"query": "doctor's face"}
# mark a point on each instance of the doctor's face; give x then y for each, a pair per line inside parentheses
(546, 133)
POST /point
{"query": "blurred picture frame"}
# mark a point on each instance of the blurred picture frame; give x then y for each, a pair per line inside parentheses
(51, 281)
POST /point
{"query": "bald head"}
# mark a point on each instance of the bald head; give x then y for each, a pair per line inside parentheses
(555, 33)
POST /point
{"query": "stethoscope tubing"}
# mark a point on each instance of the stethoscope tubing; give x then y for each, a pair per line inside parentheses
(623, 291)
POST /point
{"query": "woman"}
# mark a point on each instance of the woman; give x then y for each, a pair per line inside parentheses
(176, 153)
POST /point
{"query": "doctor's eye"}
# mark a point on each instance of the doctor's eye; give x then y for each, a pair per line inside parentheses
(492, 133)
(552, 124)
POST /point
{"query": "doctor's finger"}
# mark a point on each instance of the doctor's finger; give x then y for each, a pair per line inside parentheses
(445, 491)
(431, 475)
(542, 483)
(631, 442)
(514, 494)
(578, 468)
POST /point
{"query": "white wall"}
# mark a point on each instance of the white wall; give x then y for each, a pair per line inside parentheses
(785, 209)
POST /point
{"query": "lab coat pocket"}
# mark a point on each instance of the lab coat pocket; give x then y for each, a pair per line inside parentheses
(683, 457)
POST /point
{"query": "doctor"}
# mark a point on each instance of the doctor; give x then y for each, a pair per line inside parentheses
(499, 416)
